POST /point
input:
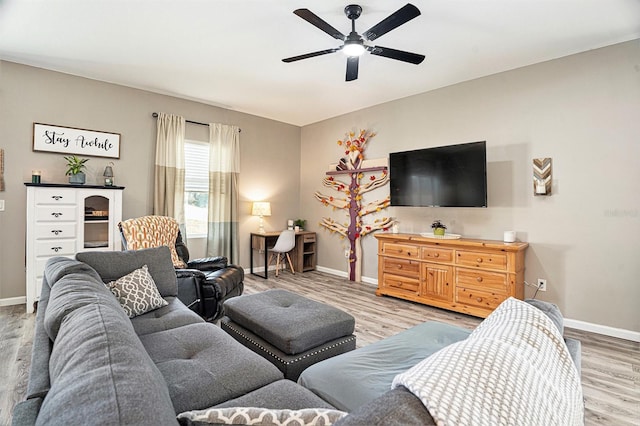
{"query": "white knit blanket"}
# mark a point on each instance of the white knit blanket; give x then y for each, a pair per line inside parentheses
(514, 369)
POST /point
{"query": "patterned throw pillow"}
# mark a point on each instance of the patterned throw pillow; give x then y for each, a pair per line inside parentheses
(261, 417)
(137, 292)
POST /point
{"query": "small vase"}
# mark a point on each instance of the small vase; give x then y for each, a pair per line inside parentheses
(438, 231)
(77, 179)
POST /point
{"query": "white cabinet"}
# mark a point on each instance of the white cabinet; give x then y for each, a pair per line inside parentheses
(65, 219)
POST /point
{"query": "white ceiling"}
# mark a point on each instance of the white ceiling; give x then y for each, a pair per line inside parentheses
(228, 52)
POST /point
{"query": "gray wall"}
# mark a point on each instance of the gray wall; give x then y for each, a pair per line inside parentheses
(583, 111)
(270, 152)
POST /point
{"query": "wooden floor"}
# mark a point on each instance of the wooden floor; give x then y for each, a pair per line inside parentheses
(610, 366)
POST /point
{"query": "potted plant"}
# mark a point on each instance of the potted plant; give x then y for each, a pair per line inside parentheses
(75, 166)
(299, 223)
(438, 227)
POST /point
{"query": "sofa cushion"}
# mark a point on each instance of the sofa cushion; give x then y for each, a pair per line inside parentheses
(278, 395)
(71, 292)
(261, 416)
(57, 267)
(99, 368)
(174, 314)
(112, 265)
(203, 366)
(397, 407)
(137, 292)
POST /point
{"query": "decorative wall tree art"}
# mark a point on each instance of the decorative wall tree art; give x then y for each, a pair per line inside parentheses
(351, 198)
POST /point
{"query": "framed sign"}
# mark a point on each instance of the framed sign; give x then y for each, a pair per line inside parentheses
(69, 140)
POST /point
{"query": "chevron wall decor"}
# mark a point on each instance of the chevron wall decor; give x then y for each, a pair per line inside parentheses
(542, 176)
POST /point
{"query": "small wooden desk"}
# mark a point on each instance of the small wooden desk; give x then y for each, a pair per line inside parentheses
(303, 255)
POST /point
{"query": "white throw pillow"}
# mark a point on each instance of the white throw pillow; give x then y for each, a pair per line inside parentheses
(262, 417)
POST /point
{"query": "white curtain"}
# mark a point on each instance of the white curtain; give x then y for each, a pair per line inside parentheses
(169, 169)
(224, 169)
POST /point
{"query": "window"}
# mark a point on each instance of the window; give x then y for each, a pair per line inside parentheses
(196, 197)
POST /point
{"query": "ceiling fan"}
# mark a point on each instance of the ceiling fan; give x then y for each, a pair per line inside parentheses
(353, 44)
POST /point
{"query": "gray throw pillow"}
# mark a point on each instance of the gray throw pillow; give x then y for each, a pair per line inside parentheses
(137, 292)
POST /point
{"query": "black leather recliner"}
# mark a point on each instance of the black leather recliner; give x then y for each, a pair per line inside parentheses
(205, 283)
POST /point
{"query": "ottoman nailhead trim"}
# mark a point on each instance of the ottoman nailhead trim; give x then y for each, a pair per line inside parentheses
(276, 357)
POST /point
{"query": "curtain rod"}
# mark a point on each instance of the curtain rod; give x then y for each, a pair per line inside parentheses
(155, 115)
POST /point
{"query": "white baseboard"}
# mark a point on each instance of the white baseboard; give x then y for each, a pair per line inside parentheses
(620, 333)
(10, 301)
(578, 325)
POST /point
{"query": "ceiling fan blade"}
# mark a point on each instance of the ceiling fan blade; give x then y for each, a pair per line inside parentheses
(399, 17)
(352, 68)
(311, 55)
(399, 55)
(315, 20)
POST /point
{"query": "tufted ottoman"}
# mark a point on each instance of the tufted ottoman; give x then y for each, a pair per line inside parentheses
(289, 330)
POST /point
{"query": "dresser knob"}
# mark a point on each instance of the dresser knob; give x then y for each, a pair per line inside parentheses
(436, 255)
(56, 231)
(57, 197)
(479, 299)
(479, 260)
(56, 249)
(479, 279)
(399, 266)
(56, 214)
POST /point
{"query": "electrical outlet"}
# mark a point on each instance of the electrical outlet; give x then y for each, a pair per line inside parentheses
(346, 253)
(542, 284)
(1, 205)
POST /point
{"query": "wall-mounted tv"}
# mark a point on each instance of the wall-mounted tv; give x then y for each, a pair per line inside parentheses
(444, 176)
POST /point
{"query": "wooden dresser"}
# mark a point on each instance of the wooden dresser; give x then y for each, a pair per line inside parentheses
(463, 275)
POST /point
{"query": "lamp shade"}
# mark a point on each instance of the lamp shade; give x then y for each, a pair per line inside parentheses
(108, 172)
(261, 208)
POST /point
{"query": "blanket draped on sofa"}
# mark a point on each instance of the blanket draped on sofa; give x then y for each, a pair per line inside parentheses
(513, 369)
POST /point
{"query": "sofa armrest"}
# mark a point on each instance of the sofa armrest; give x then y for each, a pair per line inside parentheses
(208, 263)
(189, 287)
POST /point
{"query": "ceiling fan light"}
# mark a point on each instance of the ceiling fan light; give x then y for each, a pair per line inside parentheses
(353, 49)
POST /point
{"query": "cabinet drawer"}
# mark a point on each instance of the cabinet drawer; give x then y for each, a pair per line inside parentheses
(404, 267)
(402, 284)
(482, 260)
(56, 213)
(55, 196)
(309, 238)
(55, 230)
(481, 279)
(437, 254)
(480, 298)
(401, 250)
(55, 247)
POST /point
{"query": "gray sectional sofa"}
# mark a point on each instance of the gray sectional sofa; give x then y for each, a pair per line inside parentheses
(94, 364)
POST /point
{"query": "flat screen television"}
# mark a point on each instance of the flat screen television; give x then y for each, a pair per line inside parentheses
(444, 176)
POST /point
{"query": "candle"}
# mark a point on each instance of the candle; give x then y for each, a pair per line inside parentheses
(541, 187)
(35, 176)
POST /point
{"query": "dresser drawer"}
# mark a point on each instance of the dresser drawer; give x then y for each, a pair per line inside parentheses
(401, 284)
(410, 268)
(482, 260)
(55, 196)
(309, 238)
(56, 213)
(55, 230)
(437, 254)
(55, 247)
(480, 298)
(401, 250)
(495, 281)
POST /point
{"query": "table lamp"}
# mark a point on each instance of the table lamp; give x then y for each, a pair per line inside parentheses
(261, 208)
